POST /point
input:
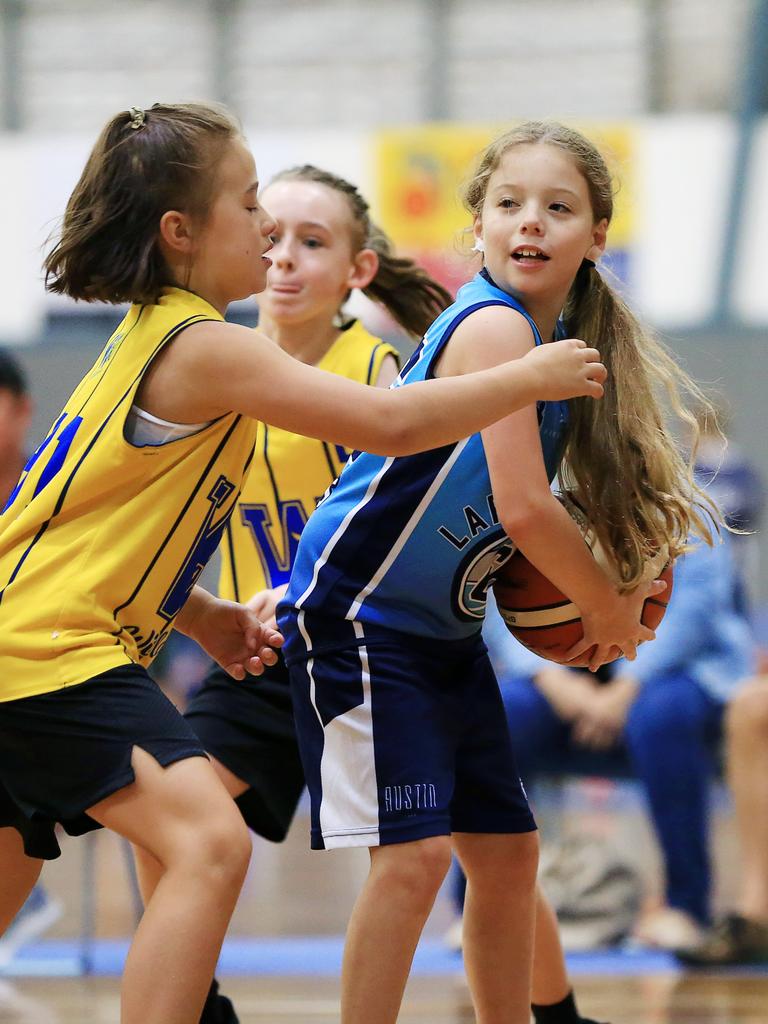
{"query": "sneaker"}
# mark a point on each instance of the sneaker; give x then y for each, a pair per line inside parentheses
(218, 1009)
(734, 940)
(35, 917)
(668, 928)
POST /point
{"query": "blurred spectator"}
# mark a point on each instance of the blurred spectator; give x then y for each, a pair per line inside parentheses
(742, 937)
(40, 911)
(662, 714)
(735, 484)
(15, 417)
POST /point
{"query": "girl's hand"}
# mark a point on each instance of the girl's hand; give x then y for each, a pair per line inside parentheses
(614, 630)
(568, 693)
(567, 369)
(264, 603)
(233, 635)
(602, 721)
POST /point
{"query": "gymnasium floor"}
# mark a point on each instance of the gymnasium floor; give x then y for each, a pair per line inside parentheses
(281, 961)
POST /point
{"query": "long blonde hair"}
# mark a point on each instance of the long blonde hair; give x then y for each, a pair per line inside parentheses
(621, 459)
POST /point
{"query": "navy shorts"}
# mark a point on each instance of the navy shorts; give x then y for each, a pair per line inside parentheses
(402, 739)
(248, 726)
(63, 752)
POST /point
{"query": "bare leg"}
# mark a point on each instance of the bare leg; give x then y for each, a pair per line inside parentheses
(747, 765)
(499, 916)
(385, 926)
(19, 874)
(550, 980)
(185, 819)
(148, 868)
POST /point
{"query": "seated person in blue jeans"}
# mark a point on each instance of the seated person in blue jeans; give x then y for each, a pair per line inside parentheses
(662, 714)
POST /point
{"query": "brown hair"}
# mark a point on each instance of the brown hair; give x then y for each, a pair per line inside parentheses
(620, 458)
(143, 164)
(403, 287)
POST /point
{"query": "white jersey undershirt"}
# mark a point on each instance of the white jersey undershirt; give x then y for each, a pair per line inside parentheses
(143, 430)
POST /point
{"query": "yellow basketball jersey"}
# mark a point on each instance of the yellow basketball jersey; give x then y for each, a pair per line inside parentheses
(288, 476)
(101, 542)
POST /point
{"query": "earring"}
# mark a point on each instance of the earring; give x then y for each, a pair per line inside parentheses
(479, 245)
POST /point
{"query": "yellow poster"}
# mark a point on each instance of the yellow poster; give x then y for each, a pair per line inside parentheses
(419, 173)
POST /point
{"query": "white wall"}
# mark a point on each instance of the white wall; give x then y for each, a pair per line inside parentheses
(681, 174)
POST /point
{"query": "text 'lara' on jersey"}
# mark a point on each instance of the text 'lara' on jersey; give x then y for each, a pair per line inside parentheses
(288, 476)
(102, 541)
(413, 543)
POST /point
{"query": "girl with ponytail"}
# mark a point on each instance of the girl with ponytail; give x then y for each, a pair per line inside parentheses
(620, 457)
(400, 722)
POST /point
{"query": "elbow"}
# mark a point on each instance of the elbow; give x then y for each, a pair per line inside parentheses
(528, 516)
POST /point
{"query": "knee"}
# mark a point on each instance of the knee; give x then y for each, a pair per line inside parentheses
(747, 714)
(500, 865)
(221, 851)
(415, 869)
(521, 859)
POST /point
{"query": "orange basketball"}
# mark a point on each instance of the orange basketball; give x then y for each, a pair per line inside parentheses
(540, 616)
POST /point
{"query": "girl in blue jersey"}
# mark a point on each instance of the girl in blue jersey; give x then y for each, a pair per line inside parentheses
(165, 216)
(401, 726)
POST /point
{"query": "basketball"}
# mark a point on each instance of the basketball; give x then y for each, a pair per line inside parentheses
(541, 617)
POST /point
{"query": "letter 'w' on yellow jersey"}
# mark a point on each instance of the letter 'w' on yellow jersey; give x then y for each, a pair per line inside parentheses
(288, 475)
(101, 542)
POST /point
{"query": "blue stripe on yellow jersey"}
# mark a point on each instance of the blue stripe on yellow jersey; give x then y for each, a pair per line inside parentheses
(412, 543)
(287, 478)
(101, 542)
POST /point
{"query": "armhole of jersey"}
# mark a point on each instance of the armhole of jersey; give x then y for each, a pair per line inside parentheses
(461, 316)
(375, 365)
(150, 431)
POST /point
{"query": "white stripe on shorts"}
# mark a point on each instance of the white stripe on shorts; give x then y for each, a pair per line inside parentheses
(349, 808)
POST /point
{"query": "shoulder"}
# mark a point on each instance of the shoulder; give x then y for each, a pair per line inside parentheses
(486, 337)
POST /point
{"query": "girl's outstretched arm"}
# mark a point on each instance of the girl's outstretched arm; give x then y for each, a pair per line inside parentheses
(213, 368)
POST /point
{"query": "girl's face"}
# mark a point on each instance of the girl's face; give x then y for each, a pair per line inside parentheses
(313, 262)
(537, 225)
(228, 253)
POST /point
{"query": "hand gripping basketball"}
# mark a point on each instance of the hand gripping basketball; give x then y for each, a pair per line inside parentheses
(541, 617)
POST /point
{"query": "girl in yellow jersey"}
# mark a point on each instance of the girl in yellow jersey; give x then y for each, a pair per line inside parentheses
(106, 533)
(323, 246)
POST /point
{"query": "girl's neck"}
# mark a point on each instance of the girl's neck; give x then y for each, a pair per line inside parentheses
(307, 342)
(544, 312)
(545, 317)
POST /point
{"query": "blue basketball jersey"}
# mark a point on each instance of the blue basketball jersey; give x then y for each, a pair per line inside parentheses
(413, 543)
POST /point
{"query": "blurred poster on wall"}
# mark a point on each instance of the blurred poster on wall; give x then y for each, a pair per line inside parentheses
(419, 173)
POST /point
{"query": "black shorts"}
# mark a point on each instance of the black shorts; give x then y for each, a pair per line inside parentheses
(62, 752)
(248, 726)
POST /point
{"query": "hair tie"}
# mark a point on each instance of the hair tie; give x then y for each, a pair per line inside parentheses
(137, 117)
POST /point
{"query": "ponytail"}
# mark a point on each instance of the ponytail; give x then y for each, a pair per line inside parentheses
(404, 288)
(627, 470)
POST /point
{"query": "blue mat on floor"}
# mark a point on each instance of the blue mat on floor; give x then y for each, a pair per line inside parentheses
(318, 955)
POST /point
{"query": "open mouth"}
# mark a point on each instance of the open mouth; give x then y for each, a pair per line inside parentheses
(529, 254)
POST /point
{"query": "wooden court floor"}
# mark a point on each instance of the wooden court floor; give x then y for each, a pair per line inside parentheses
(648, 1000)
(291, 892)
